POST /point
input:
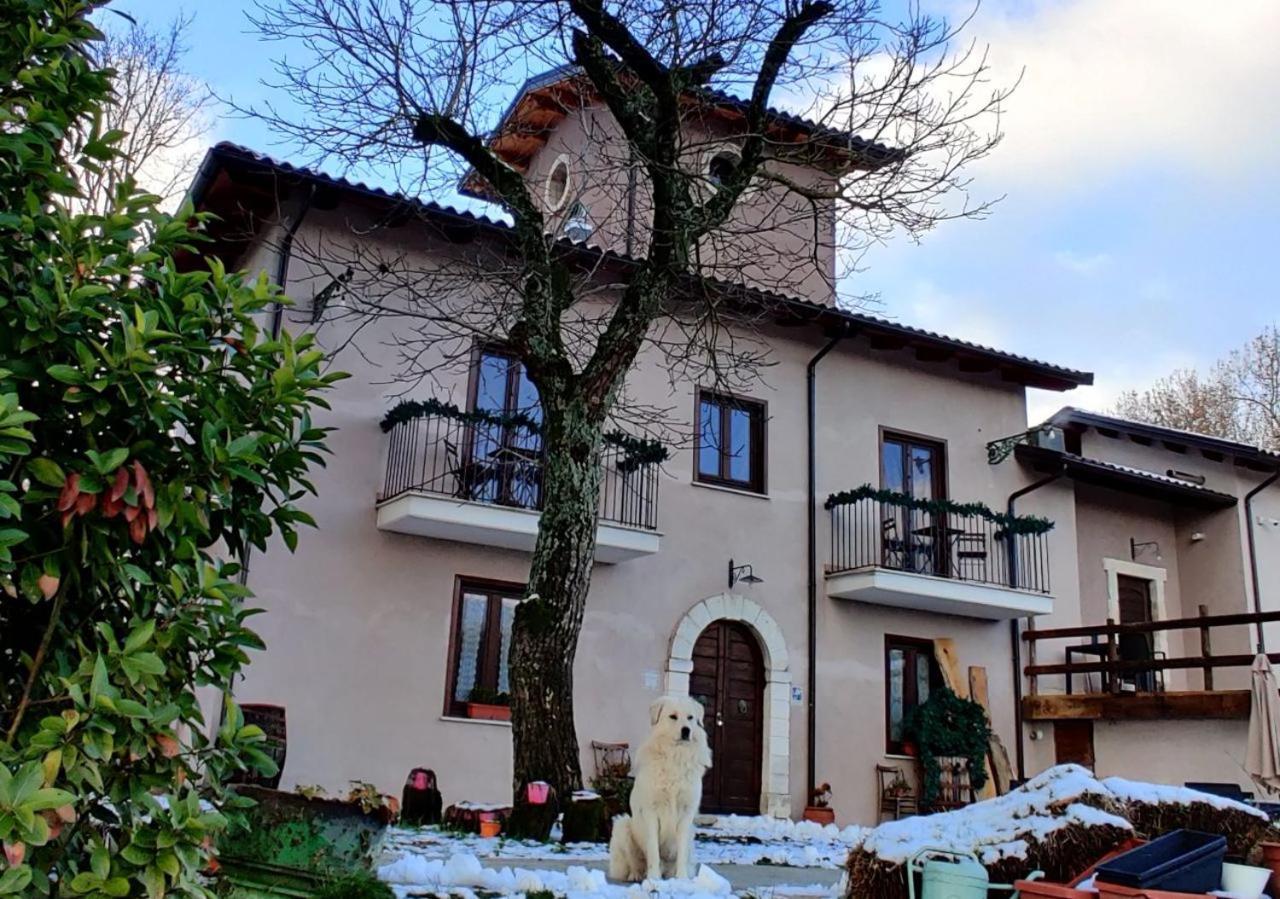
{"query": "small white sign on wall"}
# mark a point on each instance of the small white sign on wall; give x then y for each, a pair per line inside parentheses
(797, 696)
(651, 679)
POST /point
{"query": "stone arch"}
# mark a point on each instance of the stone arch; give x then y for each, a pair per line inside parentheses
(775, 770)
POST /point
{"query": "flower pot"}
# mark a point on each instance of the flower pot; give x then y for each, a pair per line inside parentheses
(820, 814)
(909, 748)
(486, 712)
(490, 828)
(1271, 859)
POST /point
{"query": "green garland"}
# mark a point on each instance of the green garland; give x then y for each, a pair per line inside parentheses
(1008, 524)
(637, 452)
(946, 725)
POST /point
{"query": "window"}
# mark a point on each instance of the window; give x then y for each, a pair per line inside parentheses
(505, 460)
(578, 226)
(557, 184)
(482, 624)
(730, 448)
(721, 167)
(911, 674)
(916, 467)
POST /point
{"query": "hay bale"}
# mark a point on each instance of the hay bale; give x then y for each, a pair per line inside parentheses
(1059, 822)
(1155, 809)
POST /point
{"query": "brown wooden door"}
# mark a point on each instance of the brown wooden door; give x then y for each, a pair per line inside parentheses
(1073, 743)
(728, 679)
(1133, 595)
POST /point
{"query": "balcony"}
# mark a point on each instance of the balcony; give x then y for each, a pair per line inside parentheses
(944, 558)
(482, 483)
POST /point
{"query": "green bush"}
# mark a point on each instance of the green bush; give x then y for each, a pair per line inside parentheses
(149, 431)
(947, 725)
(355, 886)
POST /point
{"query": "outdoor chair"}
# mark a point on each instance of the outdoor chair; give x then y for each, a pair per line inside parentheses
(970, 557)
(955, 788)
(897, 798)
(893, 548)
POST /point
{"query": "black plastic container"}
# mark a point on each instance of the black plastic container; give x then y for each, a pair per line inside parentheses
(1185, 861)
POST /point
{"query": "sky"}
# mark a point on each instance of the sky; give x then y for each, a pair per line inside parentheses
(1140, 176)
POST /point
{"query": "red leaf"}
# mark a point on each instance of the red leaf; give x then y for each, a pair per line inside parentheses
(168, 745)
(70, 491)
(143, 483)
(48, 585)
(84, 503)
(131, 512)
(152, 518)
(121, 483)
(138, 530)
(14, 853)
(111, 507)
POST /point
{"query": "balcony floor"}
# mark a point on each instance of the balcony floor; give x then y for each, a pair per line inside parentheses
(486, 524)
(929, 593)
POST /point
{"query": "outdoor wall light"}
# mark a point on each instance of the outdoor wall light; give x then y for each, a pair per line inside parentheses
(1135, 547)
(1197, 536)
(742, 573)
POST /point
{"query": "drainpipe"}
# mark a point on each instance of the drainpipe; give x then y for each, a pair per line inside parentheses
(1253, 552)
(285, 255)
(1015, 632)
(811, 385)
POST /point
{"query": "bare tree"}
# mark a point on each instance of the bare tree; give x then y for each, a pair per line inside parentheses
(712, 202)
(1239, 397)
(159, 108)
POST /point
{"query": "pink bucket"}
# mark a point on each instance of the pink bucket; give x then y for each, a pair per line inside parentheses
(537, 792)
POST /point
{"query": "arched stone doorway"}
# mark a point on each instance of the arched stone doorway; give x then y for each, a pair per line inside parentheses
(775, 754)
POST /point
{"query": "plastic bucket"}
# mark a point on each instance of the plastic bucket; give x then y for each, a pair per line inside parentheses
(1245, 881)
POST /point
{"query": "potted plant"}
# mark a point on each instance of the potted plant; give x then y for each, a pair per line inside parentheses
(948, 726)
(819, 808)
(488, 705)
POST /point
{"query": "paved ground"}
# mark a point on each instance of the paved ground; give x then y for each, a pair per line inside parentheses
(743, 877)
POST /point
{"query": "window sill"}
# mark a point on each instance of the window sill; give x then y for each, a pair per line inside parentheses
(487, 721)
(738, 491)
(898, 757)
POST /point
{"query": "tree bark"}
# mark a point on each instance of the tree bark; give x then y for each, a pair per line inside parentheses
(547, 624)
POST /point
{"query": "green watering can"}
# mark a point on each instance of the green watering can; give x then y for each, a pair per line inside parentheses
(950, 875)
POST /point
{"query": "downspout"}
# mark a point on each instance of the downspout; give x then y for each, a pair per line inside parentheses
(277, 313)
(1253, 552)
(1015, 632)
(285, 256)
(811, 386)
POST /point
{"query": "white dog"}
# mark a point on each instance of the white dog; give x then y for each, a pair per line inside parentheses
(657, 839)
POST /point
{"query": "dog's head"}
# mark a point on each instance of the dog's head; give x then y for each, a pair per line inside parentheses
(677, 720)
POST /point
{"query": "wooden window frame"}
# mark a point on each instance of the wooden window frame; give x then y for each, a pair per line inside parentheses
(757, 442)
(910, 699)
(941, 483)
(490, 649)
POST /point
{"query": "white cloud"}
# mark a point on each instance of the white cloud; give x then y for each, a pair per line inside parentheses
(1081, 263)
(1113, 87)
(924, 304)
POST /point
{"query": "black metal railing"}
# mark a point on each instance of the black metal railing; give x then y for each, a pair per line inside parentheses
(870, 533)
(502, 464)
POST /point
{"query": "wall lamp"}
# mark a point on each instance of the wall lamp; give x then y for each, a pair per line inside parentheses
(742, 573)
(1135, 547)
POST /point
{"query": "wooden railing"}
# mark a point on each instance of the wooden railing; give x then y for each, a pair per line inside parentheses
(1105, 642)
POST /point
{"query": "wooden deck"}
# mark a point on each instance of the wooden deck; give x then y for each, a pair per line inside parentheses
(1181, 705)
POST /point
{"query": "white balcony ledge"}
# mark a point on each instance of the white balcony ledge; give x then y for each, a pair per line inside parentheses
(486, 524)
(929, 593)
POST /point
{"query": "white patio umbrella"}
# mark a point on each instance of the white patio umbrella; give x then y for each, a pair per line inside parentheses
(1263, 759)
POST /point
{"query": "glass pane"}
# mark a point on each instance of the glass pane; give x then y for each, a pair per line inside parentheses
(891, 462)
(506, 620)
(709, 439)
(921, 475)
(740, 445)
(491, 382)
(922, 678)
(470, 639)
(897, 668)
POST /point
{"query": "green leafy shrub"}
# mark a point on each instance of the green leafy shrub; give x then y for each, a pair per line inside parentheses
(947, 725)
(355, 886)
(149, 430)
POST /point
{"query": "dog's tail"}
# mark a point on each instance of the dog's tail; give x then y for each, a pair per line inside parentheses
(622, 851)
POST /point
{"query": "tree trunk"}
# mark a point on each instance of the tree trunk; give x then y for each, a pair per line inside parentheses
(545, 633)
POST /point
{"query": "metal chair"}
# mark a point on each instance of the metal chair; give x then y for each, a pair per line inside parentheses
(897, 798)
(970, 557)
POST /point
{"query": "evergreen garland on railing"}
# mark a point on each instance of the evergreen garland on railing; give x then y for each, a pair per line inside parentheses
(1008, 524)
(637, 452)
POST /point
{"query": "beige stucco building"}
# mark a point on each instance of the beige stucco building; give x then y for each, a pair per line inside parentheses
(387, 629)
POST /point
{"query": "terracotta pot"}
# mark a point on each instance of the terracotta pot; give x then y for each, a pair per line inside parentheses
(486, 712)
(490, 828)
(1271, 859)
(820, 814)
(909, 748)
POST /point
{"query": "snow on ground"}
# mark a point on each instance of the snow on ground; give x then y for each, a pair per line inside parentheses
(730, 840)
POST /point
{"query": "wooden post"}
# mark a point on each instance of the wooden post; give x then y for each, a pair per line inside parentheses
(1031, 656)
(1206, 649)
(1113, 655)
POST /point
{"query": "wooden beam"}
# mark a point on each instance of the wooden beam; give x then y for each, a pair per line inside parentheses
(1186, 706)
(1168, 624)
(999, 773)
(944, 652)
(1129, 665)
